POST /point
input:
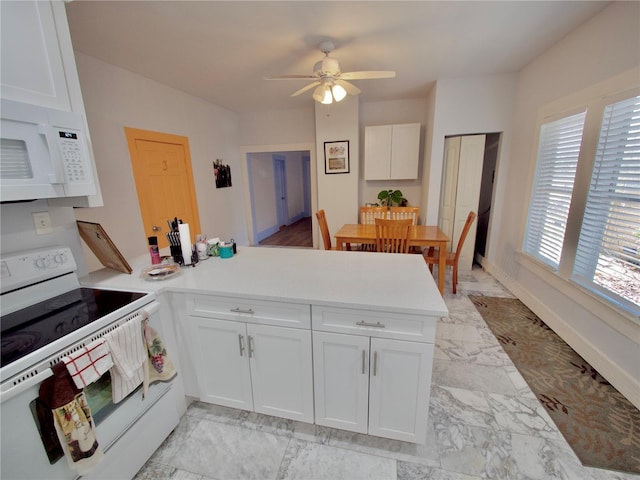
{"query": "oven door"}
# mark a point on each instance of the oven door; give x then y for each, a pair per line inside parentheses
(28, 452)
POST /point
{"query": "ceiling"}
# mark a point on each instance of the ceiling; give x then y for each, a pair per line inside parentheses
(222, 50)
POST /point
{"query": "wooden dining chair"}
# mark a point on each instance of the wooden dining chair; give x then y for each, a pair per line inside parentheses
(324, 229)
(432, 257)
(401, 213)
(369, 214)
(392, 236)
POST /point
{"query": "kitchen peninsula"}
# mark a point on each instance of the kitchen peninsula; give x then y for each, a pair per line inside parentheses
(341, 339)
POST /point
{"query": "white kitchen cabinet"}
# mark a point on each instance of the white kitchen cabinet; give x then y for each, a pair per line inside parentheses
(39, 68)
(368, 377)
(391, 151)
(247, 365)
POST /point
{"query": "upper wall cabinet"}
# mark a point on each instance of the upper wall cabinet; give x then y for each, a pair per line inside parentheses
(33, 69)
(39, 68)
(391, 152)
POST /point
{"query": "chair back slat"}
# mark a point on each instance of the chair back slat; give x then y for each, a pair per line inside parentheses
(324, 229)
(402, 213)
(392, 236)
(369, 214)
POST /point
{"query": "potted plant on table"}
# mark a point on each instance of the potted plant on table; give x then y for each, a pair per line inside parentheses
(389, 198)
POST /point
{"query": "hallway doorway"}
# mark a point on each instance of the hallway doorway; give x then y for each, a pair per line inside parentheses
(280, 194)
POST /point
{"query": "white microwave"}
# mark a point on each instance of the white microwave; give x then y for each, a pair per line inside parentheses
(44, 153)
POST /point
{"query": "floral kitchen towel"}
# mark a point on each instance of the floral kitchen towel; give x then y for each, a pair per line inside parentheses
(160, 366)
(72, 420)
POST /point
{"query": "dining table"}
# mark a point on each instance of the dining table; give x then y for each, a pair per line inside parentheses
(419, 236)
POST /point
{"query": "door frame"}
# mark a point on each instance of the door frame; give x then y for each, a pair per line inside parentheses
(280, 179)
(290, 147)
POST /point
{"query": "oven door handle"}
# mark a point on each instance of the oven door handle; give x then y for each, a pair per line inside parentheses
(151, 308)
(25, 384)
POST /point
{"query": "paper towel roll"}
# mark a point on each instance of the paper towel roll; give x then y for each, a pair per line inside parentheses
(185, 242)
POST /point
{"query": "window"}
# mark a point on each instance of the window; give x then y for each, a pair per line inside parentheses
(608, 255)
(558, 152)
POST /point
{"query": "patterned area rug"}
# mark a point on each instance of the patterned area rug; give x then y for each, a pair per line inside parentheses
(600, 425)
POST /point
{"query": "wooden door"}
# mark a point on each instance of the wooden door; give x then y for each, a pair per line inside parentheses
(341, 380)
(400, 381)
(281, 371)
(221, 356)
(164, 181)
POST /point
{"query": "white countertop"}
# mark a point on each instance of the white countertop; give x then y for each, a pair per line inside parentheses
(385, 282)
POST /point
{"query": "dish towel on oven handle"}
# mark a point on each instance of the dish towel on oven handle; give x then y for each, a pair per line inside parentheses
(129, 358)
(160, 368)
(72, 420)
(89, 363)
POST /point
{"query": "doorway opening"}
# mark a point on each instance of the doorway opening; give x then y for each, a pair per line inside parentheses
(467, 185)
(280, 192)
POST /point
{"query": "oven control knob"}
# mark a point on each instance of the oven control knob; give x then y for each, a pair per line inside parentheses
(60, 258)
(42, 263)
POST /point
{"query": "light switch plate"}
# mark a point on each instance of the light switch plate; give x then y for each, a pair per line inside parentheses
(42, 222)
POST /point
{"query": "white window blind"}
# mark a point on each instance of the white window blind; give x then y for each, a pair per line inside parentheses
(608, 255)
(558, 152)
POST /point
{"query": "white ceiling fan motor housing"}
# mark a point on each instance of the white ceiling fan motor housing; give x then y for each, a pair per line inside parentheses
(327, 67)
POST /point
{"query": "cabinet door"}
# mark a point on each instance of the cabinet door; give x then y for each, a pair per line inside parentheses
(377, 152)
(221, 358)
(281, 371)
(29, 32)
(400, 382)
(405, 146)
(341, 380)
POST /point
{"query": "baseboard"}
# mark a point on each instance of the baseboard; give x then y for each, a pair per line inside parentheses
(620, 379)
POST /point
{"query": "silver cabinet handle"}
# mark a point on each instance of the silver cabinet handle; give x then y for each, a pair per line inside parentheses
(241, 344)
(367, 324)
(251, 347)
(375, 363)
(241, 310)
(363, 361)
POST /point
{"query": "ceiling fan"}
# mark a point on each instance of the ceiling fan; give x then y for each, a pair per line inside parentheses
(329, 80)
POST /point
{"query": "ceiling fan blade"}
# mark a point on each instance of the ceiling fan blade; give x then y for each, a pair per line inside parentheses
(304, 89)
(365, 75)
(351, 89)
(291, 77)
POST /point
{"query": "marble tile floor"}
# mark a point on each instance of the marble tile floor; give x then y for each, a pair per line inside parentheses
(484, 422)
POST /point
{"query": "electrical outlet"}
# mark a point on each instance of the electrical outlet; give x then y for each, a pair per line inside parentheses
(42, 222)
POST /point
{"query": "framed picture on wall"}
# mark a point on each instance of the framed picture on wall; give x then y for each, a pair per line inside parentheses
(336, 157)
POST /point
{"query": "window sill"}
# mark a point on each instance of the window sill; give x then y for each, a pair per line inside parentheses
(617, 317)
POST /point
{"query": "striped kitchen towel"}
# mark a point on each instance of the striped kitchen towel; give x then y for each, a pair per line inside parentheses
(89, 363)
(129, 353)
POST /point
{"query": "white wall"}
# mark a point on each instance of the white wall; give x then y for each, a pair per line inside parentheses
(605, 46)
(338, 193)
(466, 106)
(115, 98)
(278, 127)
(261, 178)
(385, 113)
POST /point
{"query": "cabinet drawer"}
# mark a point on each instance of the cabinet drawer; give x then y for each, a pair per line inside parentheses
(376, 324)
(253, 311)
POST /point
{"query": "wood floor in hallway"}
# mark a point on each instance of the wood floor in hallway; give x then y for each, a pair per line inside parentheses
(297, 234)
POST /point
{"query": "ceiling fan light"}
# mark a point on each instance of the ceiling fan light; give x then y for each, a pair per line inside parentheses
(338, 92)
(327, 97)
(318, 93)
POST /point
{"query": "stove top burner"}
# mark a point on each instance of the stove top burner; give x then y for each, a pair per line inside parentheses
(33, 327)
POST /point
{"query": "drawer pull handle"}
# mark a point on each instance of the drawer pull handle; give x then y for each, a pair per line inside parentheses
(363, 362)
(367, 324)
(375, 363)
(251, 347)
(241, 310)
(241, 344)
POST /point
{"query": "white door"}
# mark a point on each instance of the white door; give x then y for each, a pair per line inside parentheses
(400, 380)
(281, 371)
(468, 194)
(341, 376)
(221, 357)
(449, 185)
